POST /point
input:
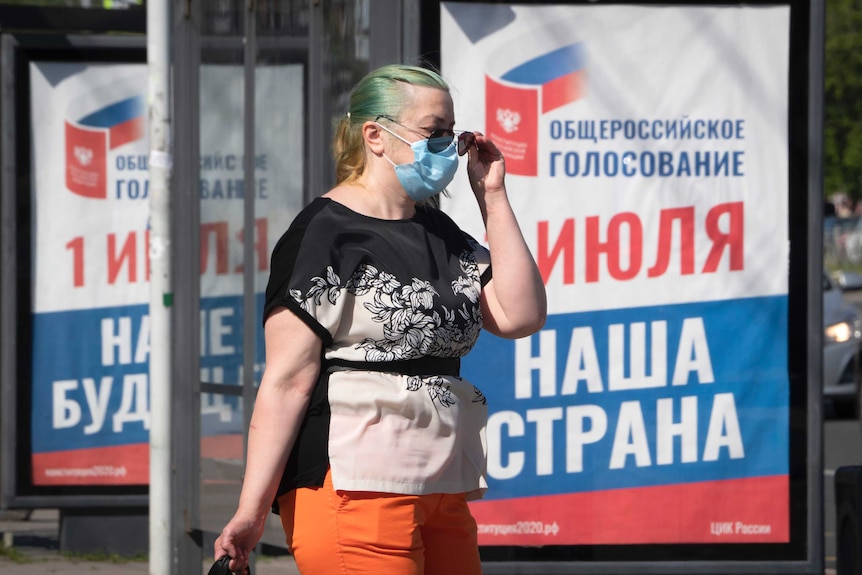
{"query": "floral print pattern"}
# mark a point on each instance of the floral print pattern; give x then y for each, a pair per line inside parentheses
(412, 325)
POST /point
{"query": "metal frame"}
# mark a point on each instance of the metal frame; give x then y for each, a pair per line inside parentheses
(816, 54)
(11, 49)
(249, 314)
(252, 47)
(388, 39)
(185, 255)
(59, 19)
(8, 273)
(386, 23)
(807, 23)
(186, 336)
(316, 162)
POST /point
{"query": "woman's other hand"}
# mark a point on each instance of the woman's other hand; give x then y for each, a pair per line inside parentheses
(514, 303)
(237, 540)
(486, 167)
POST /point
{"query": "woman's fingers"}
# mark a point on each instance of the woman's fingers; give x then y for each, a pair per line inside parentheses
(225, 545)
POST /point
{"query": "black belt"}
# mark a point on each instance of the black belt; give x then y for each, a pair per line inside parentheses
(427, 365)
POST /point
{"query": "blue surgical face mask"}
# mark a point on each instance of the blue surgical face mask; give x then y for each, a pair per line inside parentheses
(430, 173)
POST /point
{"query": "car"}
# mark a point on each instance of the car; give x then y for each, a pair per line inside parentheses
(842, 341)
(842, 240)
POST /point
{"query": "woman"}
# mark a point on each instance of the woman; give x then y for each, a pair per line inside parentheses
(363, 433)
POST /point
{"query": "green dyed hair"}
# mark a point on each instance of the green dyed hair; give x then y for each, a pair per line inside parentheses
(379, 93)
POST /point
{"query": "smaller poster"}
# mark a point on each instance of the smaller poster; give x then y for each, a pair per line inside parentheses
(90, 415)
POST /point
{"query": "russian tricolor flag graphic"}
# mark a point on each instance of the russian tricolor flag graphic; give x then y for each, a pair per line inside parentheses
(514, 101)
(89, 140)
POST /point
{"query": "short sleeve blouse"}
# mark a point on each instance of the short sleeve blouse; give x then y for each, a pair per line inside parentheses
(385, 291)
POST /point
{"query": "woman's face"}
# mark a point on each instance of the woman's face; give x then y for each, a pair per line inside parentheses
(428, 109)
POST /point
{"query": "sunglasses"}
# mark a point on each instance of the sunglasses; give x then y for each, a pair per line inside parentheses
(441, 138)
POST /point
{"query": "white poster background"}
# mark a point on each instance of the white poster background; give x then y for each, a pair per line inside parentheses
(63, 91)
(642, 63)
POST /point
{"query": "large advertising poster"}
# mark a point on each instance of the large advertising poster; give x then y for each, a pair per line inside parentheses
(90, 250)
(647, 159)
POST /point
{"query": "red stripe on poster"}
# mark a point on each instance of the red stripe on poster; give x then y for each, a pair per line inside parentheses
(751, 510)
(117, 465)
(562, 91)
(126, 132)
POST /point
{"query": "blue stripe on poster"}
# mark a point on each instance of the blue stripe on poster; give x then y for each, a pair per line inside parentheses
(115, 113)
(700, 394)
(91, 374)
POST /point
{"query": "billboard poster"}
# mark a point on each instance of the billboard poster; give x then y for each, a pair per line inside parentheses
(647, 158)
(90, 255)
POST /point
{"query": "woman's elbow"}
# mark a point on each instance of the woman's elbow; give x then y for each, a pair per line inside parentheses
(525, 327)
(537, 323)
(535, 320)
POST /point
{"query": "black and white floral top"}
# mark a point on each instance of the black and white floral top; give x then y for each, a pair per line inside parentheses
(395, 303)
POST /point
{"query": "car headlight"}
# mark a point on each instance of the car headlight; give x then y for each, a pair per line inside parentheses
(839, 332)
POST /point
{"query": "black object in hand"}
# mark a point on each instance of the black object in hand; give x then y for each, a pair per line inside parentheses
(220, 567)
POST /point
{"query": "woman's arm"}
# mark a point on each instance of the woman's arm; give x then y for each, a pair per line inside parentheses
(292, 366)
(513, 302)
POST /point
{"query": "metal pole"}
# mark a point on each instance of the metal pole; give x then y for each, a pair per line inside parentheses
(248, 254)
(249, 230)
(162, 554)
(816, 47)
(185, 279)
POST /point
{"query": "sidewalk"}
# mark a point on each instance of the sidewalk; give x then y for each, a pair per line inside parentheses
(35, 551)
(31, 547)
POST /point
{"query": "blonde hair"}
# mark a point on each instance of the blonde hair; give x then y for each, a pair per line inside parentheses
(379, 93)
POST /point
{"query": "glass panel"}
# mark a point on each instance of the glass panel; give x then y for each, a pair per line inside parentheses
(280, 104)
(221, 463)
(221, 195)
(281, 107)
(345, 60)
(282, 17)
(223, 18)
(278, 189)
(346, 25)
(220, 191)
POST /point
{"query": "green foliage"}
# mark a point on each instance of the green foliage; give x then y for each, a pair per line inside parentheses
(842, 129)
(17, 556)
(106, 557)
(41, 2)
(73, 3)
(13, 554)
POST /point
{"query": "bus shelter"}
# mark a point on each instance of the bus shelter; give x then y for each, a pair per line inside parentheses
(664, 161)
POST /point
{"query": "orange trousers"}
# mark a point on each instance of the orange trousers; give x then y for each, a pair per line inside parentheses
(355, 532)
